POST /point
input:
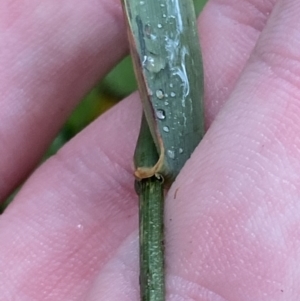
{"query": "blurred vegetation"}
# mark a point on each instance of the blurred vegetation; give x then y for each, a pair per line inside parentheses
(119, 83)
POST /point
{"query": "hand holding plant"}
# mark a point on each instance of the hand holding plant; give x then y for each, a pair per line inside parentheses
(232, 216)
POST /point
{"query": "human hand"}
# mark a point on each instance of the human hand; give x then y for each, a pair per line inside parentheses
(232, 217)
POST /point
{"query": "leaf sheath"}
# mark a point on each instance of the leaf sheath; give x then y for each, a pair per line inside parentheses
(166, 54)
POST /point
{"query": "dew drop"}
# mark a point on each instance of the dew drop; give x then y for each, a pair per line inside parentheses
(160, 114)
(164, 15)
(154, 63)
(166, 103)
(172, 94)
(142, 2)
(171, 154)
(160, 94)
(180, 151)
(171, 85)
(159, 25)
(148, 32)
(166, 129)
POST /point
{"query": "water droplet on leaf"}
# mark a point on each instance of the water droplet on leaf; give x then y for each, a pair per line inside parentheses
(160, 94)
(171, 154)
(166, 129)
(148, 32)
(154, 63)
(160, 114)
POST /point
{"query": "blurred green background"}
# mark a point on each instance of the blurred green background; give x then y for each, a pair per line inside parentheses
(119, 83)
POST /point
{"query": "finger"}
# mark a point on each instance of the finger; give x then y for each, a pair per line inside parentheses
(233, 215)
(229, 31)
(72, 215)
(52, 52)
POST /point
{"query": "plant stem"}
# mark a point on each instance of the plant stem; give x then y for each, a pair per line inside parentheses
(151, 209)
(152, 282)
(166, 55)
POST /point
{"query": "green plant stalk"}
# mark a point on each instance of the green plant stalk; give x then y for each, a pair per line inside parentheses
(167, 61)
(151, 209)
(152, 280)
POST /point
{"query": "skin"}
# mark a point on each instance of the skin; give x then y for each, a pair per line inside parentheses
(232, 216)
